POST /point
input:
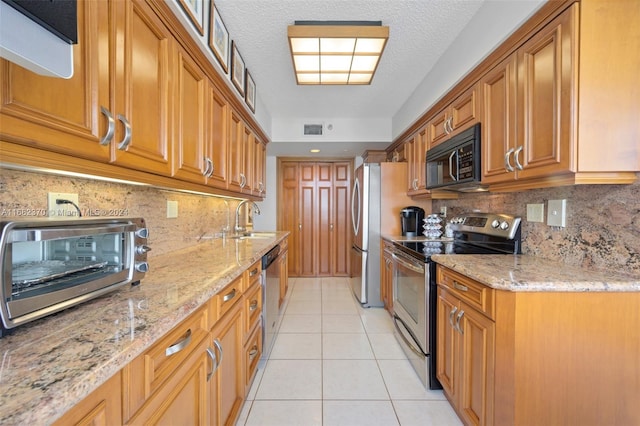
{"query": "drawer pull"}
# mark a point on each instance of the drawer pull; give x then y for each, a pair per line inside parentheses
(458, 318)
(253, 306)
(177, 347)
(253, 272)
(253, 352)
(229, 295)
(451, 314)
(111, 128)
(459, 286)
(218, 345)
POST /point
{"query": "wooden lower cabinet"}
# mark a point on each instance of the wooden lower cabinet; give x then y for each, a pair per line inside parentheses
(466, 358)
(227, 385)
(386, 275)
(537, 358)
(102, 407)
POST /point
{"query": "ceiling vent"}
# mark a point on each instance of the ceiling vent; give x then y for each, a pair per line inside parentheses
(313, 129)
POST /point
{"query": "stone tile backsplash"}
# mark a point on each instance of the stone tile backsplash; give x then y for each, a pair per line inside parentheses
(603, 223)
(198, 215)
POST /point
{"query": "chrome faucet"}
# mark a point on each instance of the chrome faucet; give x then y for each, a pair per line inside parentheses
(256, 210)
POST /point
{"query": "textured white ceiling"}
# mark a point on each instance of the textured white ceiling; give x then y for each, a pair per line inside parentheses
(420, 31)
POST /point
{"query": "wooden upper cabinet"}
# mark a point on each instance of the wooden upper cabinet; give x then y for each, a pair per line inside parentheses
(190, 120)
(248, 155)
(260, 169)
(461, 114)
(236, 163)
(63, 115)
(143, 88)
(545, 74)
(416, 150)
(498, 129)
(217, 147)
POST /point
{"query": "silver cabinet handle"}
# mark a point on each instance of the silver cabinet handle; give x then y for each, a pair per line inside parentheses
(111, 128)
(127, 133)
(218, 345)
(229, 295)
(214, 365)
(243, 180)
(507, 165)
(300, 226)
(260, 187)
(253, 272)
(331, 227)
(459, 286)
(205, 172)
(253, 306)
(213, 167)
(253, 352)
(414, 184)
(516, 157)
(178, 346)
(458, 318)
(451, 314)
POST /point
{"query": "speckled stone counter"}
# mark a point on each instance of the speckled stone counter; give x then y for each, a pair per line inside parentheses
(530, 273)
(51, 364)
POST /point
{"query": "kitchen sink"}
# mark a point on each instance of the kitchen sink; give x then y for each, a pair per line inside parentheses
(252, 235)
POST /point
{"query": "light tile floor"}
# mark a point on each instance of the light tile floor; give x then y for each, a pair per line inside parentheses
(335, 363)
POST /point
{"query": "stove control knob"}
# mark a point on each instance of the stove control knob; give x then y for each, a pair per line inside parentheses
(142, 249)
(142, 233)
(504, 226)
(495, 223)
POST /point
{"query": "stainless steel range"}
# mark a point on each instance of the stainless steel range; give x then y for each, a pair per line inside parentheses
(414, 285)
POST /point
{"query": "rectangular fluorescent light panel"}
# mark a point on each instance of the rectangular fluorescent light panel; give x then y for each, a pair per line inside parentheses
(336, 52)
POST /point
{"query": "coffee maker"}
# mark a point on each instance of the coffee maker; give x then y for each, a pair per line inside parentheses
(411, 219)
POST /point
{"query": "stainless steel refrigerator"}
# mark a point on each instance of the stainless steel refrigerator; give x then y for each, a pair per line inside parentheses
(365, 220)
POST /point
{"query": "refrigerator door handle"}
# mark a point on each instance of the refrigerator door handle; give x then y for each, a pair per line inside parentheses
(355, 195)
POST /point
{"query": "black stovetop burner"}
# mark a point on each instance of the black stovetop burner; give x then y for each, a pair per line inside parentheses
(474, 233)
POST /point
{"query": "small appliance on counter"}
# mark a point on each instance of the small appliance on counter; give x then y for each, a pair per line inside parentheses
(52, 264)
(411, 219)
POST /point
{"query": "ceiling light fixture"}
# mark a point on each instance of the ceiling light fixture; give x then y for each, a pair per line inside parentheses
(315, 151)
(336, 52)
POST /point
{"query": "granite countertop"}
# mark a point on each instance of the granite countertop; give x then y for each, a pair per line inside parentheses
(51, 364)
(531, 273)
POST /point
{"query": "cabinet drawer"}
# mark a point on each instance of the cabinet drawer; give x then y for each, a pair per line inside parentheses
(472, 292)
(252, 306)
(149, 371)
(252, 354)
(252, 275)
(227, 297)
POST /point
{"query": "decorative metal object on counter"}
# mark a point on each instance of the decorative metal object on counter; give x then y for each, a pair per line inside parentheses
(432, 227)
(52, 264)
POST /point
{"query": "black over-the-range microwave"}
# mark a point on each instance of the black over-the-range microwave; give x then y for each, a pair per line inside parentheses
(455, 164)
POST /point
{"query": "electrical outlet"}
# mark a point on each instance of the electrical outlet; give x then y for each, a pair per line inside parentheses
(557, 213)
(443, 211)
(172, 209)
(535, 212)
(62, 210)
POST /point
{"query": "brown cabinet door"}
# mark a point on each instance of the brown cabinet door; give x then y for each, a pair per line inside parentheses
(464, 111)
(447, 343)
(545, 99)
(102, 407)
(185, 397)
(499, 122)
(63, 115)
(259, 169)
(189, 117)
(307, 219)
(437, 126)
(410, 153)
(144, 93)
(288, 210)
(236, 143)
(218, 139)
(325, 202)
(248, 155)
(340, 226)
(227, 385)
(476, 366)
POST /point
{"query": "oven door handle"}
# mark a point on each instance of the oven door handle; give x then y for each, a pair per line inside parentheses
(418, 351)
(413, 266)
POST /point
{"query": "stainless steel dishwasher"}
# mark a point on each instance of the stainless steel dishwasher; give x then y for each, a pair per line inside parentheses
(271, 318)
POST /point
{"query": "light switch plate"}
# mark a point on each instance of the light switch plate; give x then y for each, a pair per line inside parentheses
(172, 209)
(535, 212)
(557, 213)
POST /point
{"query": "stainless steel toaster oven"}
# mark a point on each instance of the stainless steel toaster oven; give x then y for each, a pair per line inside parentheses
(52, 264)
